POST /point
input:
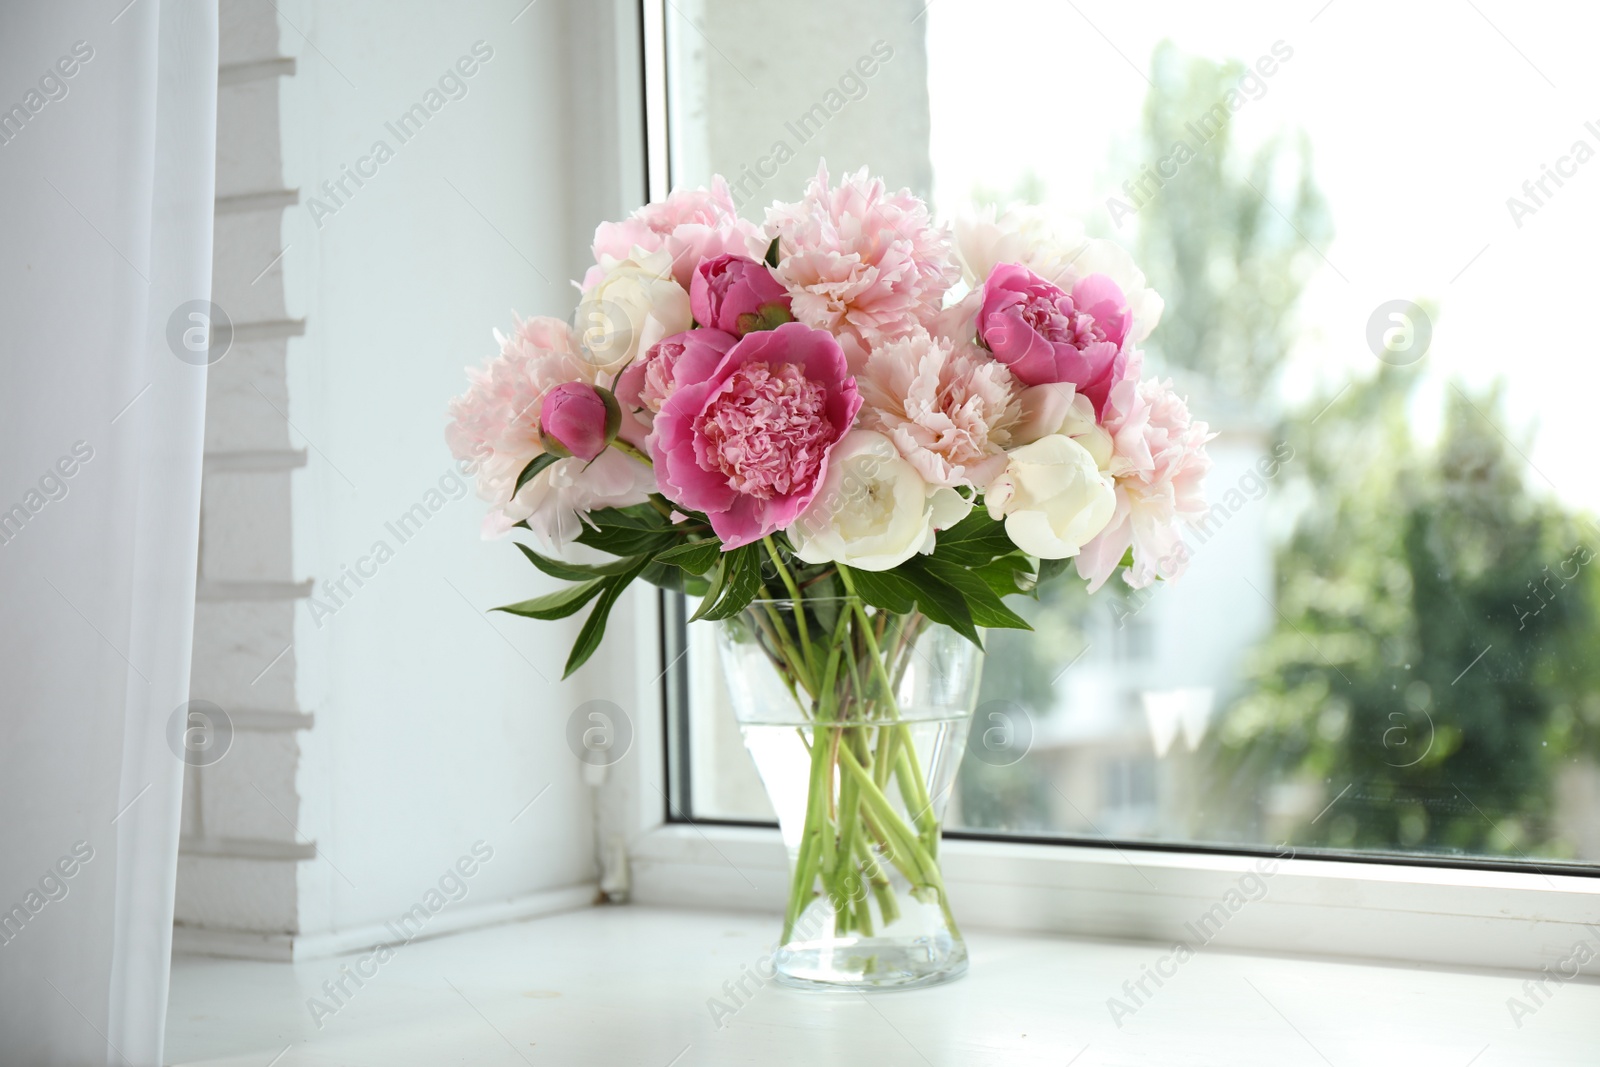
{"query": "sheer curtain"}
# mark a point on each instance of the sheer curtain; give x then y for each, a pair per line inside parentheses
(107, 156)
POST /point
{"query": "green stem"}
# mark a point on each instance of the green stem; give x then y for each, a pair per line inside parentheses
(794, 595)
(904, 849)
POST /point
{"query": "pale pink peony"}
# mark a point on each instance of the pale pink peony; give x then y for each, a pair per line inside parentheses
(745, 435)
(1158, 462)
(691, 224)
(949, 409)
(864, 264)
(495, 423)
(555, 503)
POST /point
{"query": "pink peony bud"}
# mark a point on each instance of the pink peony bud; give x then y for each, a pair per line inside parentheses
(578, 419)
(737, 295)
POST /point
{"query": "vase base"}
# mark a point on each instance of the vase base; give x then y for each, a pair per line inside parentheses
(867, 964)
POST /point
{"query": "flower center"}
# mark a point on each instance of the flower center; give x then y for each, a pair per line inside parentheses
(1060, 320)
(766, 429)
(872, 508)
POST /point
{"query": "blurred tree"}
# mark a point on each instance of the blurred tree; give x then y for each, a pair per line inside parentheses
(1423, 645)
(1229, 266)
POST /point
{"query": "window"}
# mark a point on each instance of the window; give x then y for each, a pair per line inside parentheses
(1385, 642)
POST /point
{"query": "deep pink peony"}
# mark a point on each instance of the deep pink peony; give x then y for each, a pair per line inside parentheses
(737, 294)
(746, 433)
(863, 263)
(1046, 335)
(574, 416)
(649, 380)
(1158, 462)
(691, 224)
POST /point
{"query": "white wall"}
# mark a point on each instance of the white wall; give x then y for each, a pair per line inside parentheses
(435, 724)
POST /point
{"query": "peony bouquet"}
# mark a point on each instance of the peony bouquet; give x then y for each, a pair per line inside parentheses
(843, 426)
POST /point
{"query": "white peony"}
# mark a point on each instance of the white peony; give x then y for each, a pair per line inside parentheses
(632, 304)
(873, 510)
(1056, 250)
(1053, 497)
(1056, 407)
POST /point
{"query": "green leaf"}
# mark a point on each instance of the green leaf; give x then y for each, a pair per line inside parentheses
(912, 585)
(1050, 568)
(973, 541)
(939, 600)
(772, 253)
(714, 587)
(1008, 575)
(1127, 558)
(664, 577)
(531, 471)
(884, 590)
(557, 605)
(983, 603)
(572, 572)
(633, 517)
(741, 585)
(594, 627)
(624, 534)
(696, 557)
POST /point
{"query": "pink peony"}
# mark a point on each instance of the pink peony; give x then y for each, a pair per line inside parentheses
(573, 415)
(649, 380)
(1158, 461)
(496, 424)
(949, 409)
(1044, 335)
(691, 224)
(1055, 249)
(737, 294)
(860, 262)
(746, 433)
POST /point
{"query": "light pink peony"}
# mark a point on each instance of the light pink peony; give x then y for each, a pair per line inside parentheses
(1158, 462)
(496, 423)
(1046, 335)
(867, 265)
(746, 433)
(691, 224)
(737, 294)
(949, 409)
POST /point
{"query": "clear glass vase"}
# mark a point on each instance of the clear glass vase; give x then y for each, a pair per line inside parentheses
(856, 720)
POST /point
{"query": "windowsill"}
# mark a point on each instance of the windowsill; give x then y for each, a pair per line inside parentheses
(631, 985)
(1432, 916)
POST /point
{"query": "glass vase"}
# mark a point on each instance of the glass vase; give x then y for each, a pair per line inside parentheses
(856, 720)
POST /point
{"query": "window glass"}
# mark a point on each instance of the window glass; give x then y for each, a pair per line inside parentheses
(1372, 226)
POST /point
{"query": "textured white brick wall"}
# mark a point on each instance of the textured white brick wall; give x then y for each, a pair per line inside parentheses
(241, 853)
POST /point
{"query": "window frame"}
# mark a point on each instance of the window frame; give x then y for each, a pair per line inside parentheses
(1475, 912)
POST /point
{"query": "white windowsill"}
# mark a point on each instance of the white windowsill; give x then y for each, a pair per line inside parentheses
(631, 985)
(1425, 915)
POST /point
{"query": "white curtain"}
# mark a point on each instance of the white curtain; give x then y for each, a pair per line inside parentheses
(107, 158)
